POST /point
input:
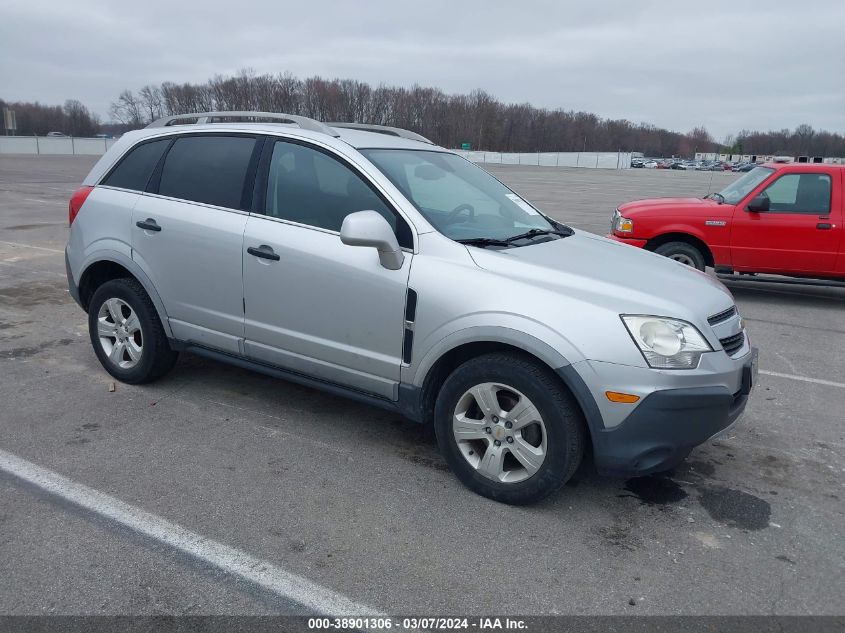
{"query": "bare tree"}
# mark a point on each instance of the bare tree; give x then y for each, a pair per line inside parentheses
(151, 102)
(477, 118)
(127, 109)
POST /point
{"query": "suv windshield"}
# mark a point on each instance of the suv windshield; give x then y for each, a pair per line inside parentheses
(460, 200)
(741, 187)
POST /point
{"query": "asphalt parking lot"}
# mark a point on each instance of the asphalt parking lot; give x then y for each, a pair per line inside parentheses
(359, 502)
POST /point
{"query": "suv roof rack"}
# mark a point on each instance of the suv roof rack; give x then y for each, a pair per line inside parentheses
(383, 129)
(198, 118)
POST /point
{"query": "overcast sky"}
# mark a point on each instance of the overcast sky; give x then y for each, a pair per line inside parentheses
(678, 64)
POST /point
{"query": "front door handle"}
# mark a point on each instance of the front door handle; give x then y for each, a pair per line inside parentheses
(824, 226)
(264, 252)
(148, 225)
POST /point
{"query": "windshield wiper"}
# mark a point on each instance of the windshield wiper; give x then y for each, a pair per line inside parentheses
(537, 233)
(483, 241)
(718, 197)
(561, 230)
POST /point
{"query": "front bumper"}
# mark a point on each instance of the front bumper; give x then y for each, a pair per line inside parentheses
(667, 423)
(627, 240)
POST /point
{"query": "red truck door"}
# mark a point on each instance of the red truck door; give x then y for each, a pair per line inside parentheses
(790, 224)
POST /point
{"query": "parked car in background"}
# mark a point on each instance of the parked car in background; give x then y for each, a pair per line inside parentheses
(785, 219)
(287, 248)
(57, 134)
(746, 167)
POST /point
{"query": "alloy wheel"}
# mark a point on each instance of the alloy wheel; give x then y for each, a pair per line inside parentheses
(499, 432)
(683, 258)
(119, 332)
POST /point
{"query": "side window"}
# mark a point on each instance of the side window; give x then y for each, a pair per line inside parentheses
(208, 169)
(135, 168)
(305, 185)
(800, 193)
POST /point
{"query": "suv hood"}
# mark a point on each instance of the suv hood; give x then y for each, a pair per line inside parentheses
(616, 276)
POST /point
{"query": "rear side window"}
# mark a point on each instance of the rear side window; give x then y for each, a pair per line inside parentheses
(207, 169)
(134, 170)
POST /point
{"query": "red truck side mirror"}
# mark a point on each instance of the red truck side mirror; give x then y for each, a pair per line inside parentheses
(759, 204)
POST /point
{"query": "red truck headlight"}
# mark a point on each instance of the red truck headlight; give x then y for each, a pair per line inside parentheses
(621, 224)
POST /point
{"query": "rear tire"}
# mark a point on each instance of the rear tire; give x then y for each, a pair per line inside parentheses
(126, 333)
(535, 455)
(682, 252)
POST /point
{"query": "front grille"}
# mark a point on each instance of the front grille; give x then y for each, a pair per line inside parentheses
(732, 344)
(722, 316)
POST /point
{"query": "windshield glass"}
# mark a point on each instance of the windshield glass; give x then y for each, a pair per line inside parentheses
(741, 187)
(460, 200)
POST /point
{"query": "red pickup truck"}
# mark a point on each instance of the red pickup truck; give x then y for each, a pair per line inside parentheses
(785, 219)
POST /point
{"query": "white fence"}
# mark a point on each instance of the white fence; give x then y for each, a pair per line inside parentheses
(54, 145)
(98, 146)
(593, 160)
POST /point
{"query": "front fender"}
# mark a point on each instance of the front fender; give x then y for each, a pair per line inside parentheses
(531, 336)
(684, 228)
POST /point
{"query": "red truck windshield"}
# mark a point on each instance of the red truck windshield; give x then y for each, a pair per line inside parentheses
(741, 187)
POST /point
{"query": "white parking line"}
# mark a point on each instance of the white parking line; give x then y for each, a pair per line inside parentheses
(40, 248)
(817, 381)
(275, 580)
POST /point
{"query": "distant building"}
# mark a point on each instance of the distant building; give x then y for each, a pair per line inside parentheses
(779, 157)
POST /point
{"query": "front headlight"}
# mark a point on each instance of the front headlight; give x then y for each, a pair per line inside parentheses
(622, 224)
(666, 343)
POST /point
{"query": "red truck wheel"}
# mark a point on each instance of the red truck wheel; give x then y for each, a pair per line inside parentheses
(682, 252)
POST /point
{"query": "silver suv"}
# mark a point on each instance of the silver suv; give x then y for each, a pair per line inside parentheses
(366, 261)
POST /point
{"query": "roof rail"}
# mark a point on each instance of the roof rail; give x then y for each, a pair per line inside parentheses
(383, 129)
(199, 118)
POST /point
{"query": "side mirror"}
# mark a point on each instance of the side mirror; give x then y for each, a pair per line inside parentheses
(368, 228)
(759, 204)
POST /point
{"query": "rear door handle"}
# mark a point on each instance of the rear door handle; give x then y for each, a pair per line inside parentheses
(824, 226)
(264, 252)
(148, 225)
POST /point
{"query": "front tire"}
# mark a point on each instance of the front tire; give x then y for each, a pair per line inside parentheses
(682, 252)
(126, 333)
(508, 428)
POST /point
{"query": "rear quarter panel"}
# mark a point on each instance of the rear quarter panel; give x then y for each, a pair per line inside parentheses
(102, 232)
(103, 224)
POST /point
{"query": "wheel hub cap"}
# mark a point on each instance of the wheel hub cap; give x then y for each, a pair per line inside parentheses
(119, 333)
(499, 432)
